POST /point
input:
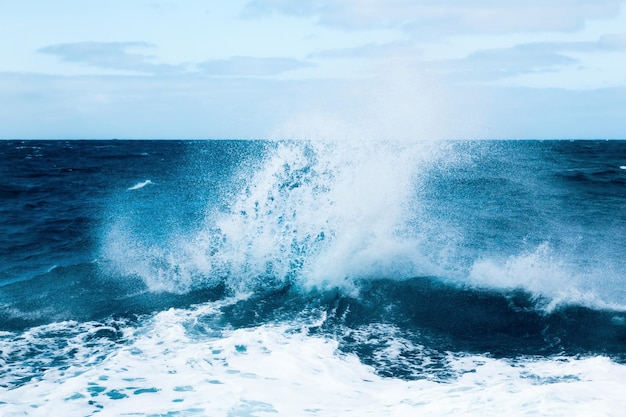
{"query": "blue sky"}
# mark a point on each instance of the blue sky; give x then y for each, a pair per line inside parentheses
(405, 69)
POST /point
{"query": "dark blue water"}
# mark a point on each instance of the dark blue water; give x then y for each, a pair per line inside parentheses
(502, 248)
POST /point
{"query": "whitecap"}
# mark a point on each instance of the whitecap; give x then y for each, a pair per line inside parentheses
(273, 369)
(140, 185)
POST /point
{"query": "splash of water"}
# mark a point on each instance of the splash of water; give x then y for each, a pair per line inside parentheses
(314, 213)
(327, 214)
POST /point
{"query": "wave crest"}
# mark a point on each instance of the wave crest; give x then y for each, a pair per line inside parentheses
(315, 214)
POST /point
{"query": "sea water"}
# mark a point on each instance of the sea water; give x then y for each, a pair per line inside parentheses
(312, 278)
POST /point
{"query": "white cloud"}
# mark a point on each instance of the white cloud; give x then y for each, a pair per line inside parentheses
(158, 106)
(39, 106)
(483, 17)
(536, 57)
(615, 41)
(251, 66)
(368, 51)
(111, 55)
(488, 64)
(493, 64)
(118, 56)
(440, 18)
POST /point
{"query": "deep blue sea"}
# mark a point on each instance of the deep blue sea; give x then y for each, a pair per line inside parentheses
(312, 278)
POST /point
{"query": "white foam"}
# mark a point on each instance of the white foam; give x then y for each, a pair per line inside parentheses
(548, 275)
(177, 362)
(140, 185)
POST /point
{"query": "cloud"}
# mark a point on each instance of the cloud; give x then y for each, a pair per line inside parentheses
(186, 106)
(615, 41)
(497, 63)
(368, 51)
(485, 17)
(118, 56)
(485, 64)
(440, 18)
(136, 106)
(111, 55)
(243, 66)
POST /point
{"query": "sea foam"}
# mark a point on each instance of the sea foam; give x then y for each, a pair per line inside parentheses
(140, 185)
(179, 362)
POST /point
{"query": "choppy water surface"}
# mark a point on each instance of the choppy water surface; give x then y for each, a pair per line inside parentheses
(234, 278)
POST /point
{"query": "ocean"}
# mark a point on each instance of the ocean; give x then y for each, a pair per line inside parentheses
(312, 278)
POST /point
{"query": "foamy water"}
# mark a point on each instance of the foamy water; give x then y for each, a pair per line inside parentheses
(179, 363)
